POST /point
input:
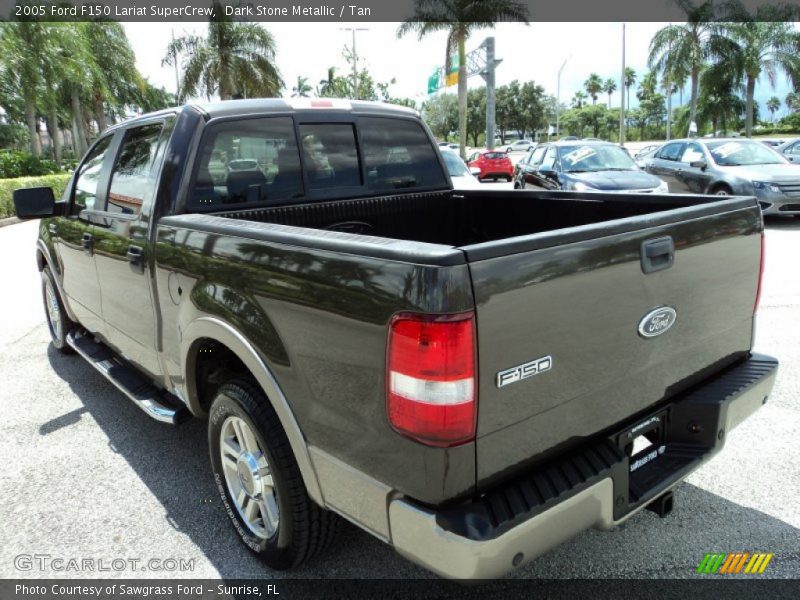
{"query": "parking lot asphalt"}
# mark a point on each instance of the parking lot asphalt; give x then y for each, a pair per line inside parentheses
(85, 474)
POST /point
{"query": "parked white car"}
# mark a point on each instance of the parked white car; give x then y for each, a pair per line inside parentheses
(462, 176)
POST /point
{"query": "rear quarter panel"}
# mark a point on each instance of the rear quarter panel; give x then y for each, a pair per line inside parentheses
(319, 320)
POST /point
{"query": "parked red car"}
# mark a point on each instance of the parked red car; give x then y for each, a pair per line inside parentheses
(492, 163)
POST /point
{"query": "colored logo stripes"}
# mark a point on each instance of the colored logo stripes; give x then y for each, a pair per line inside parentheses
(737, 562)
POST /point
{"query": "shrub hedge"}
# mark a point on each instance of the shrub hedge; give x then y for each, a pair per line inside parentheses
(14, 163)
(7, 186)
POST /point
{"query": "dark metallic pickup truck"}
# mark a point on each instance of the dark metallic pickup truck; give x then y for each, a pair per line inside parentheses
(472, 376)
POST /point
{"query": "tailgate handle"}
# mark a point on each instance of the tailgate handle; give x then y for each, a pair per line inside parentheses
(657, 254)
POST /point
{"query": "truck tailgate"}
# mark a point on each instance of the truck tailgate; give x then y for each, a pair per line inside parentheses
(575, 304)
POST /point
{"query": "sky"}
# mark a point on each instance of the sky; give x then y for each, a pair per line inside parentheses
(533, 52)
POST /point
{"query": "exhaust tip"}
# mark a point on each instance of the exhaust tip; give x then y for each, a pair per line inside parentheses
(662, 505)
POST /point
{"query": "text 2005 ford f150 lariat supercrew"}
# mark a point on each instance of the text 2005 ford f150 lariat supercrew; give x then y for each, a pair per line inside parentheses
(472, 376)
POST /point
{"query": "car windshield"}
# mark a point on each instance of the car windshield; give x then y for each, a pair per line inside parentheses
(743, 152)
(581, 158)
(494, 155)
(455, 166)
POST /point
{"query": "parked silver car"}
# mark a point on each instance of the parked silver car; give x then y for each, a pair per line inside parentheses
(791, 150)
(730, 166)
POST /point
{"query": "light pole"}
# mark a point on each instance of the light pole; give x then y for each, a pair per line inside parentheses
(355, 57)
(622, 88)
(558, 94)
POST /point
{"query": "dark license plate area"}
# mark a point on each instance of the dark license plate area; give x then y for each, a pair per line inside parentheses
(657, 457)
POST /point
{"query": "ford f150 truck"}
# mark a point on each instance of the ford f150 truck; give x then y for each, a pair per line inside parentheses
(470, 376)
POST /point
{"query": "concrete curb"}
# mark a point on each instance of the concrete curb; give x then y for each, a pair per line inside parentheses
(10, 221)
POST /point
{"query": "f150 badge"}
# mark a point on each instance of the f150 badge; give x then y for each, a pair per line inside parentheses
(657, 321)
(520, 372)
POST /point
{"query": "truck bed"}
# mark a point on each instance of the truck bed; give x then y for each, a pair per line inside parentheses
(548, 274)
(469, 218)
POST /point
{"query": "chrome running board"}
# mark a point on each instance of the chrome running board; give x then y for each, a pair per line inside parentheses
(157, 403)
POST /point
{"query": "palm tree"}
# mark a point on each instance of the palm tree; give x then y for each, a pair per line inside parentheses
(326, 85)
(234, 58)
(609, 87)
(578, 99)
(630, 79)
(302, 88)
(773, 104)
(593, 86)
(460, 18)
(756, 44)
(677, 50)
(24, 47)
(792, 101)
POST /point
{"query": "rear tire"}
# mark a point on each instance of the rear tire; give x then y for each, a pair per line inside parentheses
(58, 323)
(271, 512)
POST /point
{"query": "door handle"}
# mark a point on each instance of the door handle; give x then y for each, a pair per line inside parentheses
(135, 257)
(657, 254)
(88, 243)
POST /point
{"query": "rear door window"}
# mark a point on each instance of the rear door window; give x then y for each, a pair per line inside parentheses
(671, 151)
(549, 161)
(536, 156)
(249, 162)
(398, 155)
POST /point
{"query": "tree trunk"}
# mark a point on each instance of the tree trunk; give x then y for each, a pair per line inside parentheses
(748, 114)
(100, 116)
(55, 135)
(693, 100)
(78, 133)
(462, 95)
(30, 120)
(609, 100)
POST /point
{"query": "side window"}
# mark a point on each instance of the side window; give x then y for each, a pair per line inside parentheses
(536, 156)
(133, 178)
(89, 176)
(670, 152)
(247, 162)
(549, 161)
(398, 154)
(329, 155)
(692, 153)
(794, 150)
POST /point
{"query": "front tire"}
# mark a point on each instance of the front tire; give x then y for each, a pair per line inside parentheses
(58, 323)
(722, 190)
(259, 481)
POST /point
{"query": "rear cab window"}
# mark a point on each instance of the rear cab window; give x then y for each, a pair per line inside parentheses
(273, 160)
(398, 155)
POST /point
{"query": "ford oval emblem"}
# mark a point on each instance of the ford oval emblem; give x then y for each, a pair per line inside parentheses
(657, 321)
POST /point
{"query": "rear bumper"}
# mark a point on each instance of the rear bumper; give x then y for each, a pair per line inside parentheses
(593, 486)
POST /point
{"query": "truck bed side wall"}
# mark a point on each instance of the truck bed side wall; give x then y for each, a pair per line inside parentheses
(319, 318)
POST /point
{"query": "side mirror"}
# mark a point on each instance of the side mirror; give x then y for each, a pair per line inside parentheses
(34, 203)
(474, 171)
(698, 164)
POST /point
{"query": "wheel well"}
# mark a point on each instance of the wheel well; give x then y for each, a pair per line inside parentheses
(41, 261)
(214, 364)
(720, 186)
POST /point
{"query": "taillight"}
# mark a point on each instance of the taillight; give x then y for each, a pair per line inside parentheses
(760, 274)
(431, 385)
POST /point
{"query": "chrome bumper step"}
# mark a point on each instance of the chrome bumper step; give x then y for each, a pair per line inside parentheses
(157, 403)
